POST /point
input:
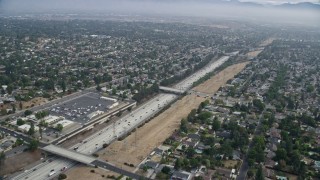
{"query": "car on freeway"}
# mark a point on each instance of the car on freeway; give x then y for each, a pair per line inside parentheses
(51, 173)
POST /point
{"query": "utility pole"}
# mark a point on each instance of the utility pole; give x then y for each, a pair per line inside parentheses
(114, 129)
(135, 137)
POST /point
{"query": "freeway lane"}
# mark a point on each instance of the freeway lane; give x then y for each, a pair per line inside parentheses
(124, 125)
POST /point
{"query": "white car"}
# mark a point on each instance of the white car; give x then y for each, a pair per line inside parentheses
(51, 173)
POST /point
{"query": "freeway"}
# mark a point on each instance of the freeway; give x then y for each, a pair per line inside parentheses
(187, 83)
(120, 128)
(110, 133)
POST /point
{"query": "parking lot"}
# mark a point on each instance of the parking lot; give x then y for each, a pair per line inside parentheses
(81, 108)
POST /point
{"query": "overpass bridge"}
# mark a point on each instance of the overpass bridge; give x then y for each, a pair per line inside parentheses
(70, 154)
(171, 90)
(88, 160)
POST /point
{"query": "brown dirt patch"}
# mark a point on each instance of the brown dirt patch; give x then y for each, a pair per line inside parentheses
(33, 102)
(230, 164)
(214, 83)
(253, 54)
(82, 172)
(267, 42)
(19, 161)
(140, 144)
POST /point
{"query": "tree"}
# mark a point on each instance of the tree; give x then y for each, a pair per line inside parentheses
(251, 156)
(59, 127)
(258, 104)
(204, 116)
(97, 79)
(43, 123)
(302, 171)
(296, 160)
(184, 126)
(226, 148)
(207, 163)
(114, 91)
(9, 89)
(216, 124)
(192, 115)
(3, 112)
(63, 86)
(194, 163)
(310, 88)
(18, 142)
(161, 175)
(166, 170)
(41, 114)
(178, 164)
(2, 158)
(190, 152)
(98, 88)
(281, 154)
(259, 174)
(20, 105)
(33, 145)
(62, 176)
(31, 130)
(20, 122)
(27, 112)
(106, 77)
(13, 108)
(198, 178)
(250, 173)
(49, 84)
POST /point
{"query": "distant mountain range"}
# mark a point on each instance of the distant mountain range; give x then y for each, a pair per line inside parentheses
(302, 5)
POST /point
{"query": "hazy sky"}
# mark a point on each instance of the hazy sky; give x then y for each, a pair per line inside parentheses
(281, 1)
(194, 8)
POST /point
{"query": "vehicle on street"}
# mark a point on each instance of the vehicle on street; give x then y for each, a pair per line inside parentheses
(51, 173)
